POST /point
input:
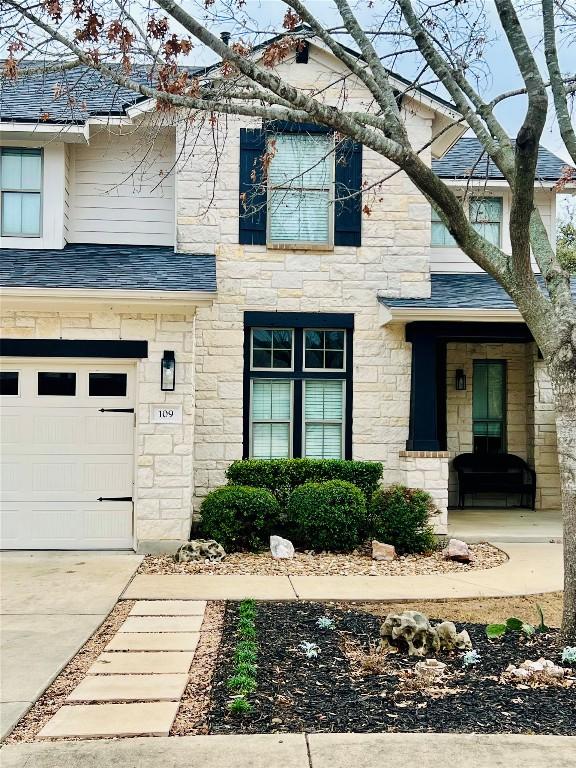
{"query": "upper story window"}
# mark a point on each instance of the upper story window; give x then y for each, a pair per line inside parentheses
(300, 184)
(21, 184)
(310, 193)
(485, 214)
(486, 217)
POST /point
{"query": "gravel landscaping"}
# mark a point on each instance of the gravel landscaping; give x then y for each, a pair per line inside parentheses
(347, 687)
(328, 564)
(55, 695)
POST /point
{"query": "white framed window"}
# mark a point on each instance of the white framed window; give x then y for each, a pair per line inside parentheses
(486, 218)
(271, 419)
(272, 349)
(21, 195)
(324, 350)
(300, 190)
(440, 237)
(323, 419)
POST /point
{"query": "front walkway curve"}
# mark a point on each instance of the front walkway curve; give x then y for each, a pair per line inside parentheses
(531, 569)
(319, 750)
(52, 602)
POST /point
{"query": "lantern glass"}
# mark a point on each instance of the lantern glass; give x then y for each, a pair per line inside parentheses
(460, 379)
(168, 372)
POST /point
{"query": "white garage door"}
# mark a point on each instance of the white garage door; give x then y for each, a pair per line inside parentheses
(67, 436)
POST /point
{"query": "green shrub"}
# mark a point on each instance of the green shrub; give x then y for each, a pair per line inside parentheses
(400, 516)
(240, 517)
(282, 476)
(330, 515)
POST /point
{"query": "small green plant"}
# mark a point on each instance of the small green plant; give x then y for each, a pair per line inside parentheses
(325, 622)
(470, 658)
(569, 654)
(494, 631)
(310, 650)
(239, 705)
(246, 652)
(542, 626)
(242, 683)
(243, 679)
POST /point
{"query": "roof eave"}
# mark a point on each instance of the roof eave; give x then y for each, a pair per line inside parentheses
(22, 297)
(391, 315)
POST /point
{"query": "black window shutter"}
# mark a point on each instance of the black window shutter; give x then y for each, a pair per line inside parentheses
(252, 213)
(348, 178)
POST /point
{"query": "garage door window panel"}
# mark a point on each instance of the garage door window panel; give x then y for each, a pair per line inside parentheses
(9, 383)
(107, 384)
(57, 383)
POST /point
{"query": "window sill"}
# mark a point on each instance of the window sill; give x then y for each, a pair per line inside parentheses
(324, 247)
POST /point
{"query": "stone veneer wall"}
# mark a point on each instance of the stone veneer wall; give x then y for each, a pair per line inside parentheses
(393, 258)
(548, 494)
(429, 470)
(163, 458)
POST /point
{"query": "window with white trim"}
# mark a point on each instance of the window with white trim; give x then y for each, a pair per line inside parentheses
(440, 236)
(298, 389)
(486, 218)
(21, 196)
(300, 189)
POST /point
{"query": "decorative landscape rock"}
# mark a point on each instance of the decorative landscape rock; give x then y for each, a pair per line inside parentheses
(413, 632)
(541, 672)
(198, 550)
(458, 550)
(430, 669)
(382, 551)
(281, 549)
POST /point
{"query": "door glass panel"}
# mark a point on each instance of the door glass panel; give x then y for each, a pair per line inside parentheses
(8, 382)
(107, 384)
(489, 406)
(57, 383)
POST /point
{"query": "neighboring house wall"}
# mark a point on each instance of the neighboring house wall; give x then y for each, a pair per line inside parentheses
(52, 198)
(122, 188)
(163, 452)
(455, 260)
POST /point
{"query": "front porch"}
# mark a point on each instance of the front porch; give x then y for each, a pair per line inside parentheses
(478, 386)
(505, 525)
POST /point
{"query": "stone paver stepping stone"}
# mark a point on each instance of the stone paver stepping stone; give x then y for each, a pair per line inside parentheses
(162, 624)
(130, 688)
(141, 663)
(89, 721)
(168, 608)
(156, 641)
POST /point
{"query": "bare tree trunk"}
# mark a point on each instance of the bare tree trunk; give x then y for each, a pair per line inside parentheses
(564, 384)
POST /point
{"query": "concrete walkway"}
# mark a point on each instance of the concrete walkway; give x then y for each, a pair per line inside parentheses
(505, 525)
(531, 569)
(51, 603)
(322, 750)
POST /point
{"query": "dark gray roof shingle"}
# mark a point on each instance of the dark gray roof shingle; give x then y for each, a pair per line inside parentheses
(463, 291)
(130, 267)
(467, 159)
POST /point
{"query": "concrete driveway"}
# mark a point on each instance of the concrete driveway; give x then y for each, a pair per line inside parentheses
(51, 602)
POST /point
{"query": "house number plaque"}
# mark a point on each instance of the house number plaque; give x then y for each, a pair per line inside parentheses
(166, 414)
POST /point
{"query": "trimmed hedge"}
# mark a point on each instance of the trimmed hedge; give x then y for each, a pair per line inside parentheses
(401, 516)
(282, 476)
(329, 515)
(240, 517)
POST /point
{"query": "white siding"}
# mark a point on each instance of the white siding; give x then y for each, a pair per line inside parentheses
(123, 189)
(454, 260)
(67, 186)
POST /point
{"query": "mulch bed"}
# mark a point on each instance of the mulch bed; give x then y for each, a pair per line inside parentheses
(331, 693)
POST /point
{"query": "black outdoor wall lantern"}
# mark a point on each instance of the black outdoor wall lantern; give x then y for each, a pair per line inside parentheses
(460, 379)
(168, 371)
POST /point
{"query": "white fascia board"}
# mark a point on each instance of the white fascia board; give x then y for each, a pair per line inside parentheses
(503, 184)
(69, 298)
(391, 315)
(66, 132)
